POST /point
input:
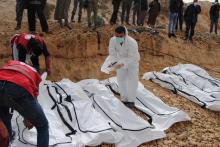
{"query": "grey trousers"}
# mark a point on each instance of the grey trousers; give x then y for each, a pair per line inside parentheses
(92, 7)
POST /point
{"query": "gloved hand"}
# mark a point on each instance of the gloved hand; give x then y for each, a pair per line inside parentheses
(118, 66)
(28, 124)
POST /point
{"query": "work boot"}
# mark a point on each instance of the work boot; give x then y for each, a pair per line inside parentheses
(173, 35)
(72, 18)
(18, 27)
(79, 19)
(60, 22)
(169, 35)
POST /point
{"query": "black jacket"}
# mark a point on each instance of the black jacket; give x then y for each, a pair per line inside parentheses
(141, 4)
(214, 10)
(191, 13)
(174, 6)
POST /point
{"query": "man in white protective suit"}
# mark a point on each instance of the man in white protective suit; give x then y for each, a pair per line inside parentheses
(124, 58)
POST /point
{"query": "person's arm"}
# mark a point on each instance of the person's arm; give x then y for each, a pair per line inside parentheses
(47, 59)
(21, 53)
(48, 65)
(198, 9)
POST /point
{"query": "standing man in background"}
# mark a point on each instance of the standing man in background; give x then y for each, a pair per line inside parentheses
(214, 16)
(173, 16)
(190, 17)
(180, 16)
(140, 11)
(36, 7)
(20, 6)
(61, 12)
(116, 5)
(126, 7)
(154, 11)
(92, 7)
(77, 4)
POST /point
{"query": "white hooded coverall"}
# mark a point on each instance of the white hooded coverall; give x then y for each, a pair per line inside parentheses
(127, 76)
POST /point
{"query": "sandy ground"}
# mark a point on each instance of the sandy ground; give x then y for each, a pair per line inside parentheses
(78, 54)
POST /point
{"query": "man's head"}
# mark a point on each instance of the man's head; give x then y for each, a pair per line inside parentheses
(35, 48)
(120, 33)
(216, 1)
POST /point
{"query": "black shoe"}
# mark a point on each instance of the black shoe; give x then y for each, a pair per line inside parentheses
(129, 104)
(173, 35)
(79, 19)
(18, 27)
(68, 26)
(72, 18)
(169, 35)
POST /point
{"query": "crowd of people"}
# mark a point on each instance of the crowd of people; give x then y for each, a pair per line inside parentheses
(177, 14)
(140, 8)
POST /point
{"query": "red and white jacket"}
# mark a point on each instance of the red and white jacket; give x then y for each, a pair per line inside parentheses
(21, 74)
(23, 39)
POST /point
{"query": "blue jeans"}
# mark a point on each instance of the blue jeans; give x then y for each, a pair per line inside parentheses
(17, 98)
(172, 23)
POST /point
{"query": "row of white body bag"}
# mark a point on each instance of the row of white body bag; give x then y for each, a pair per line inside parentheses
(191, 82)
(88, 113)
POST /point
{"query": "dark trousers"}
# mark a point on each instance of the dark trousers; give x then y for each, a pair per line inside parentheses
(126, 7)
(179, 22)
(79, 4)
(92, 7)
(114, 16)
(17, 98)
(32, 11)
(190, 27)
(35, 62)
(20, 5)
(214, 24)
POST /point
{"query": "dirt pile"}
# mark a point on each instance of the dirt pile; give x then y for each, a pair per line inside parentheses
(79, 53)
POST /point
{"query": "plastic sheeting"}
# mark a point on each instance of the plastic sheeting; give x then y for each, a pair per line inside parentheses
(134, 129)
(161, 115)
(78, 119)
(189, 81)
(77, 110)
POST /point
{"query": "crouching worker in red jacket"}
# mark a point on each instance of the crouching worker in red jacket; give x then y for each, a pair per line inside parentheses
(19, 85)
(28, 47)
